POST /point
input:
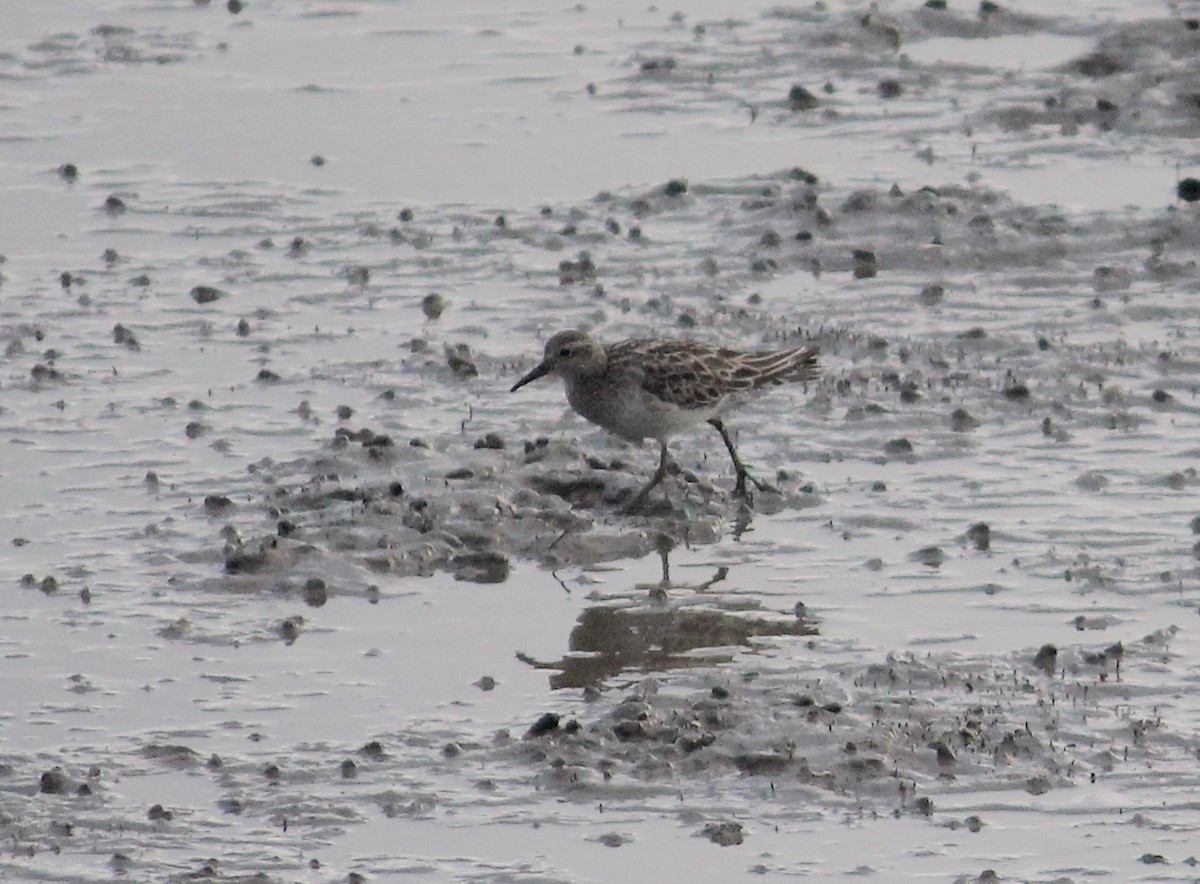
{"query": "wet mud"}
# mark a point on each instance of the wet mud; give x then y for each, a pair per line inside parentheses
(293, 569)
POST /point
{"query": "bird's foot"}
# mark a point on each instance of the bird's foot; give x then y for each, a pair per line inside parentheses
(638, 503)
(744, 476)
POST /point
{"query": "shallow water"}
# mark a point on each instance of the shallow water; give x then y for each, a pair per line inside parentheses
(236, 602)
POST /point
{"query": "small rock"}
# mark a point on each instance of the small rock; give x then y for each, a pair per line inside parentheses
(216, 504)
(316, 593)
(1046, 659)
(800, 99)
(289, 628)
(890, 88)
(54, 782)
(373, 750)
(931, 294)
(491, 441)
(865, 264)
(458, 357)
(962, 421)
(122, 335)
(930, 556)
(432, 305)
(575, 272)
(980, 534)
(725, 834)
(205, 294)
(544, 725)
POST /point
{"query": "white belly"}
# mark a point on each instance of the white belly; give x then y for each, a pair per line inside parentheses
(634, 414)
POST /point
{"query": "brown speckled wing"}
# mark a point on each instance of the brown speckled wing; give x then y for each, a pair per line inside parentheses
(692, 375)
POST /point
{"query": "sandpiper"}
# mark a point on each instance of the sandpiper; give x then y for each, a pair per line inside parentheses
(658, 387)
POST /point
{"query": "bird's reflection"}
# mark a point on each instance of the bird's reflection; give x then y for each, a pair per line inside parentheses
(664, 630)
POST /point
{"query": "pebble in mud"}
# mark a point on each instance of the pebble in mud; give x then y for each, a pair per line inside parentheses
(543, 725)
(373, 750)
(123, 336)
(46, 374)
(114, 206)
(205, 294)
(577, 272)
(980, 535)
(157, 812)
(613, 839)
(492, 441)
(866, 265)
(217, 504)
(1188, 190)
(1015, 391)
(349, 769)
(890, 88)
(460, 360)
(54, 782)
(929, 556)
(289, 628)
(726, 834)
(1046, 659)
(316, 593)
(801, 99)
(931, 294)
(946, 759)
(68, 172)
(432, 305)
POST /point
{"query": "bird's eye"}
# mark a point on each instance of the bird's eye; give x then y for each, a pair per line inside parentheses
(565, 352)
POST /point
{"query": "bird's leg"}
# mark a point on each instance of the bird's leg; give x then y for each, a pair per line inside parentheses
(743, 474)
(639, 499)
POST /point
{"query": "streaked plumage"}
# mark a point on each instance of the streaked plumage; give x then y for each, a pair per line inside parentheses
(658, 387)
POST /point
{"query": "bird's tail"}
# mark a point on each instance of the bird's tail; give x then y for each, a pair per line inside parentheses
(756, 370)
